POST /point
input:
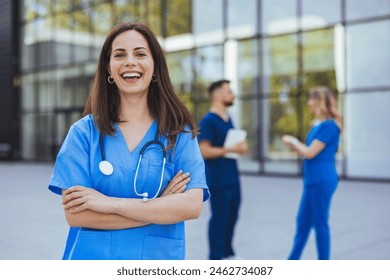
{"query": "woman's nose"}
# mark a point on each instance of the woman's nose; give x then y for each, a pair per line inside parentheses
(130, 60)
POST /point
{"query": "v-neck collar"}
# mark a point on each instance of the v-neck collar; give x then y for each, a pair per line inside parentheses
(149, 135)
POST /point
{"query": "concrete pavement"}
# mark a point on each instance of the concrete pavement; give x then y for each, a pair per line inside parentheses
(33, 226)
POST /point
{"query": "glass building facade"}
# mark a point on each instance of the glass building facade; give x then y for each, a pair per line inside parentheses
(271, 50)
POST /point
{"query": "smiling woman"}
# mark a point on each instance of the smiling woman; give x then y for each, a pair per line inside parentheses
(132, 113)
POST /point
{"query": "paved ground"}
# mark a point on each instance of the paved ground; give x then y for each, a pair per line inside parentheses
(33, 225)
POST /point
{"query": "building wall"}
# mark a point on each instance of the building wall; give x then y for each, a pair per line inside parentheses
(8, 80)
(273, 51)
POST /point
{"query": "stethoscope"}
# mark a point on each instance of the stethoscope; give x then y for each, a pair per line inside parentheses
(107, 169)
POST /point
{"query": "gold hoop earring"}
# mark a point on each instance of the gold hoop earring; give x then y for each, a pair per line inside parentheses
(154, 79)
(110, 80)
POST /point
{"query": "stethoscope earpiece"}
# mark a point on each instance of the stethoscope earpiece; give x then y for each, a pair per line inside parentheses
(106, 167)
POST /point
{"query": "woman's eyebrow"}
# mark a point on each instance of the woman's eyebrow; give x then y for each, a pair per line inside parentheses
(136, 49)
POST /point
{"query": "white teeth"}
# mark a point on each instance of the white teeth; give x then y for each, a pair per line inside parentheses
(131, 75)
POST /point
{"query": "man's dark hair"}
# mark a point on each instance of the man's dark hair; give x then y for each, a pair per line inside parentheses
(215, 85)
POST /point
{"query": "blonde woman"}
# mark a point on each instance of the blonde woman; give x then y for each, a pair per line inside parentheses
(320, 178)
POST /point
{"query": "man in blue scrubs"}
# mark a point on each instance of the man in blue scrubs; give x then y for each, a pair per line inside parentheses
(221, 173)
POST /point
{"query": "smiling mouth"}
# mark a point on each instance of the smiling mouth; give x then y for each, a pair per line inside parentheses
(131, 76)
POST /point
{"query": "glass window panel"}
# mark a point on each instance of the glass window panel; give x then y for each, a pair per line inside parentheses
(44, 7)
(82, 39)
(29, 47)
(102, 20)
(30, 10)
(61, 6)
(280, 117)
(78, 4)
(46, 91)
(178, 16)
(28, 136)
(67, 84)
(280, 64)
(279, 16)
(63, 39)
(181, 73)
(247, 71)
(365, 9)
(208, 66)
(28, 92)
(81, 87)
(241, 18)
(46, 47)
(44, 137)
(207, 21)
(368, 56)
(319, 13)
(101, 24)
(319, 58)
(245, 116)
(367, 135)
(154, 11)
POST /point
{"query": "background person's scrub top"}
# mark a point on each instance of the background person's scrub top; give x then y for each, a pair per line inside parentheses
(77, 164)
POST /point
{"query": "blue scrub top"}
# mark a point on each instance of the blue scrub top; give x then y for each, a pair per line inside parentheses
(77, 164)
(220, 172)
(322, 168)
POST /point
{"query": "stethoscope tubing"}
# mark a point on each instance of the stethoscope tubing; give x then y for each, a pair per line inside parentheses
(107, 169)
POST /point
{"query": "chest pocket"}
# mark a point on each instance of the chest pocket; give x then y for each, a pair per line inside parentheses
(150, 173)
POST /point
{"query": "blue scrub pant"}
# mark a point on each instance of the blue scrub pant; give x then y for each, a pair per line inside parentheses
(314, 212)
(225, 204)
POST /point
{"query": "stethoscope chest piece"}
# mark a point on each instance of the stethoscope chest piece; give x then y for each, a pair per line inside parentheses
(106, 167)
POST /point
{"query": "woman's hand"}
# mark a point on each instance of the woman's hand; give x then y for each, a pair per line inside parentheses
(79, 198)
(289, 141)
(178, 184)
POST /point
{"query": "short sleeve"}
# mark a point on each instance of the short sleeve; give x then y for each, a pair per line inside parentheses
(187, 157)
(206, 130)
(328, 132)
(72, 164)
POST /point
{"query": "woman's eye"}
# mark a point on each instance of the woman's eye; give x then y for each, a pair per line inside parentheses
(119, 55)
(140, 54)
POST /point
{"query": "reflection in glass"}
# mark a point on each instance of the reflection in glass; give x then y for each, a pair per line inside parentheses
(368, 56)
(319, 13)
(82, 39)
(207, 21)
(247, 71)
(46, 91)
(178, 17)
(319, 58)
(366, 9)
(241, 18)
(67, 82)
(44, 136)
(154, 10)
(280, 64)
(28, 100)
(208, 67)
(368, 139)
(247, 119)
(279, 118)
(101, 24)
(28, 133)
(180, 70)
(63, 39)
(28, 49)
(279, 16)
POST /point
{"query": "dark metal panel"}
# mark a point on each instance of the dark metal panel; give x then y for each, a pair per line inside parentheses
(8, 71)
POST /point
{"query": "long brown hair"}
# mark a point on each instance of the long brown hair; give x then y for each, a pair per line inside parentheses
(165, 106)
(327, 103)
